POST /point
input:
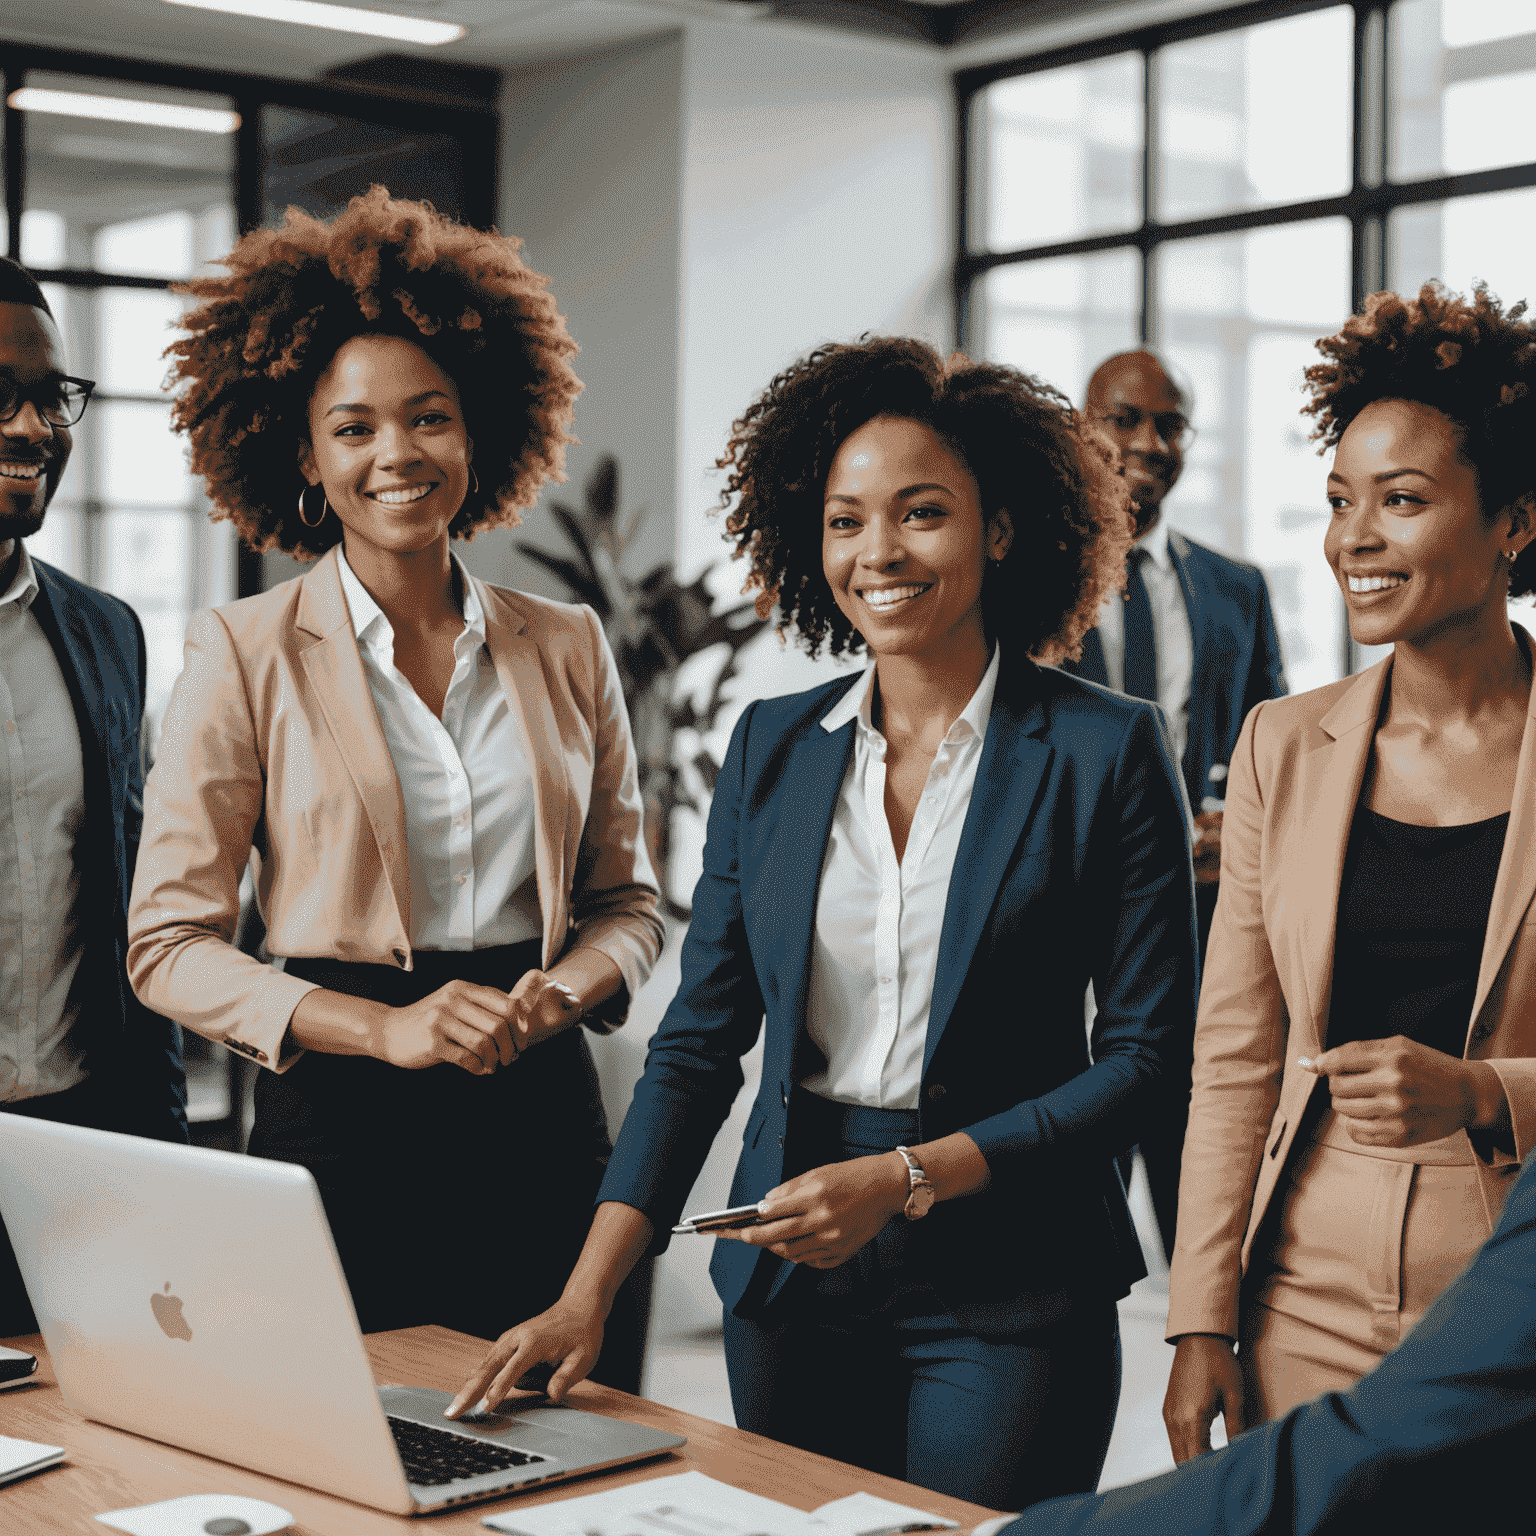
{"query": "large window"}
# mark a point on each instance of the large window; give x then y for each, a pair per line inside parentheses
(121, 179)
(1227, 189)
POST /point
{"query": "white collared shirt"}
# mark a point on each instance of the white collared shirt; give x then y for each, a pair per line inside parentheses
(1170, 634)
(42, 808)
(875, 950)
(465, 781)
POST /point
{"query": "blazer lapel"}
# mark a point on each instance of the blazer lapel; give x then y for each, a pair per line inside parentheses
(791, 873)
(1203, 678)
(334, 668)
(1515, 885)
(76, 655)
(1328, 785)
(1008, 781)
(521, 673)
(1092, 664)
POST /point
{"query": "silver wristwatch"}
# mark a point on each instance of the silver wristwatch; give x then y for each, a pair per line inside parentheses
(920, 1195)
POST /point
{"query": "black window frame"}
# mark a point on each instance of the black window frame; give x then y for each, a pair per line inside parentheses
(1372, 196)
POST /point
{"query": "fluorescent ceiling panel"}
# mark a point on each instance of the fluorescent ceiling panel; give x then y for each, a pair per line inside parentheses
(119, 109)
(337, 18)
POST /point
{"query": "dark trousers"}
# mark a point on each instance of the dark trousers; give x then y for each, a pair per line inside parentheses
(452, 1198)
(865, 1363)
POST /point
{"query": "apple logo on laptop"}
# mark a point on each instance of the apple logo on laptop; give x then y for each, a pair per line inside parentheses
(167, 1310)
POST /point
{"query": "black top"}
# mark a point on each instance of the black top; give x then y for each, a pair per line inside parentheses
(1413, 910)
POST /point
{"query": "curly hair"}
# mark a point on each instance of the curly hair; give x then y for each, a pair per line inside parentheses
(1028, 451)
(262, 336)
(1467, 358)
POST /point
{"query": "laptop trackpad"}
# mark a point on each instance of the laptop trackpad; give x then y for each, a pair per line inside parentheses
(577, 1438)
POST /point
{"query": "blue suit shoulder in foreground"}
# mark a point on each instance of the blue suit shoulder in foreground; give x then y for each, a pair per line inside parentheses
(1435, 1437)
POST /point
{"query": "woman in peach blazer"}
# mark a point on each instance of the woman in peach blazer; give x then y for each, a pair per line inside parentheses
(1365, 1051)
(431, 778)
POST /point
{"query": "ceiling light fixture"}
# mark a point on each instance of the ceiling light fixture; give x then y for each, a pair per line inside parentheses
(119, 109)
(337, 18)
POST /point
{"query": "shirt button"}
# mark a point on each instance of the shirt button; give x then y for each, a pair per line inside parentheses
(936, 1091)
(885, 981)
(462, 879)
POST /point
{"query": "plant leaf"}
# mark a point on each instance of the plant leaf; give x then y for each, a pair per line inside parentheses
(602, 489)
(584, 588)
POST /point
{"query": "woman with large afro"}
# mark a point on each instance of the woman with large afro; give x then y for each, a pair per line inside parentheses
(1365, 1055)
(431, 778)
(913, 872)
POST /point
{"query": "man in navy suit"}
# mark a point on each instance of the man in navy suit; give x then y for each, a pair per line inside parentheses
(1436, 1437)
(1195, 633)
(75, 1045)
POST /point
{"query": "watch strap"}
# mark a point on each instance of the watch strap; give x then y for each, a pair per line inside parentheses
(920, 1192)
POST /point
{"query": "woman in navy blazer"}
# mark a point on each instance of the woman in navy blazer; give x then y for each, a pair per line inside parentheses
(956, 521)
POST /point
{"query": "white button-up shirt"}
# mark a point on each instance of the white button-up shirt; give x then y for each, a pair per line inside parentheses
(1170, 634)
(465, 782)
(42, 808)
(876, 946)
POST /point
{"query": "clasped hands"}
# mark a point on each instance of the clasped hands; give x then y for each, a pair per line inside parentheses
(1398, 1093)
(475, 1027)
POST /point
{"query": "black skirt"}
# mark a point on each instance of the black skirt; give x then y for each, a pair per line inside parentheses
(453, 1198)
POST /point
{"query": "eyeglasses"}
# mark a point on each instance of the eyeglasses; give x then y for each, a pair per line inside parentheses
(1172, 427)
(60, 400)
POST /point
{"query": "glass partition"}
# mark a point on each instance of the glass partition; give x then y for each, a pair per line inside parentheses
(151, 197)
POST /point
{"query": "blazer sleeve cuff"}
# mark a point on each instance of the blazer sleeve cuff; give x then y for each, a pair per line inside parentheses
(261, 1036)
(633, 952)
(1216, 1311)
(1518, 1075)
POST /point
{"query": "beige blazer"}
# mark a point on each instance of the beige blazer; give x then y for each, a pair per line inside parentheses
(1294, 783)
(271, 752)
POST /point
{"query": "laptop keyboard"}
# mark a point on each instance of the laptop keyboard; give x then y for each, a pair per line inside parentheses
(433, 1457)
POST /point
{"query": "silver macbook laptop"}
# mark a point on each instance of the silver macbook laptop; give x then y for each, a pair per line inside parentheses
(195, 1297)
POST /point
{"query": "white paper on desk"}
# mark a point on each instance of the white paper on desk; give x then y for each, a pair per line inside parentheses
(686, 1504)
(861, 1514)
(19, 1457)
(691, 1504)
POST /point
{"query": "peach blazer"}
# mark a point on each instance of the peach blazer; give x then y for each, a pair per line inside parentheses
(1294, 783)
(271, 752)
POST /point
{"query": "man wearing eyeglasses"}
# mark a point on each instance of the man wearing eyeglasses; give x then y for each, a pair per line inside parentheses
(1195, 632)
(75, 1045)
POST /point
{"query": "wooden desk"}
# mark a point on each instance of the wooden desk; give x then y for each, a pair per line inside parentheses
(110, 1469)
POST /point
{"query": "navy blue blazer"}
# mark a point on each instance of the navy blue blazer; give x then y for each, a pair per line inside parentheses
(1073, 863)
(1236, 654)
(1437, 1438)
(99, 644)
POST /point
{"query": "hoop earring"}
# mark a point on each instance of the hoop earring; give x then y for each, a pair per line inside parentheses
(325, 507)
(474, 490)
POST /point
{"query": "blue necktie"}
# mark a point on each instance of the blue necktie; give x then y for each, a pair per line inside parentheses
(1140, 641)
